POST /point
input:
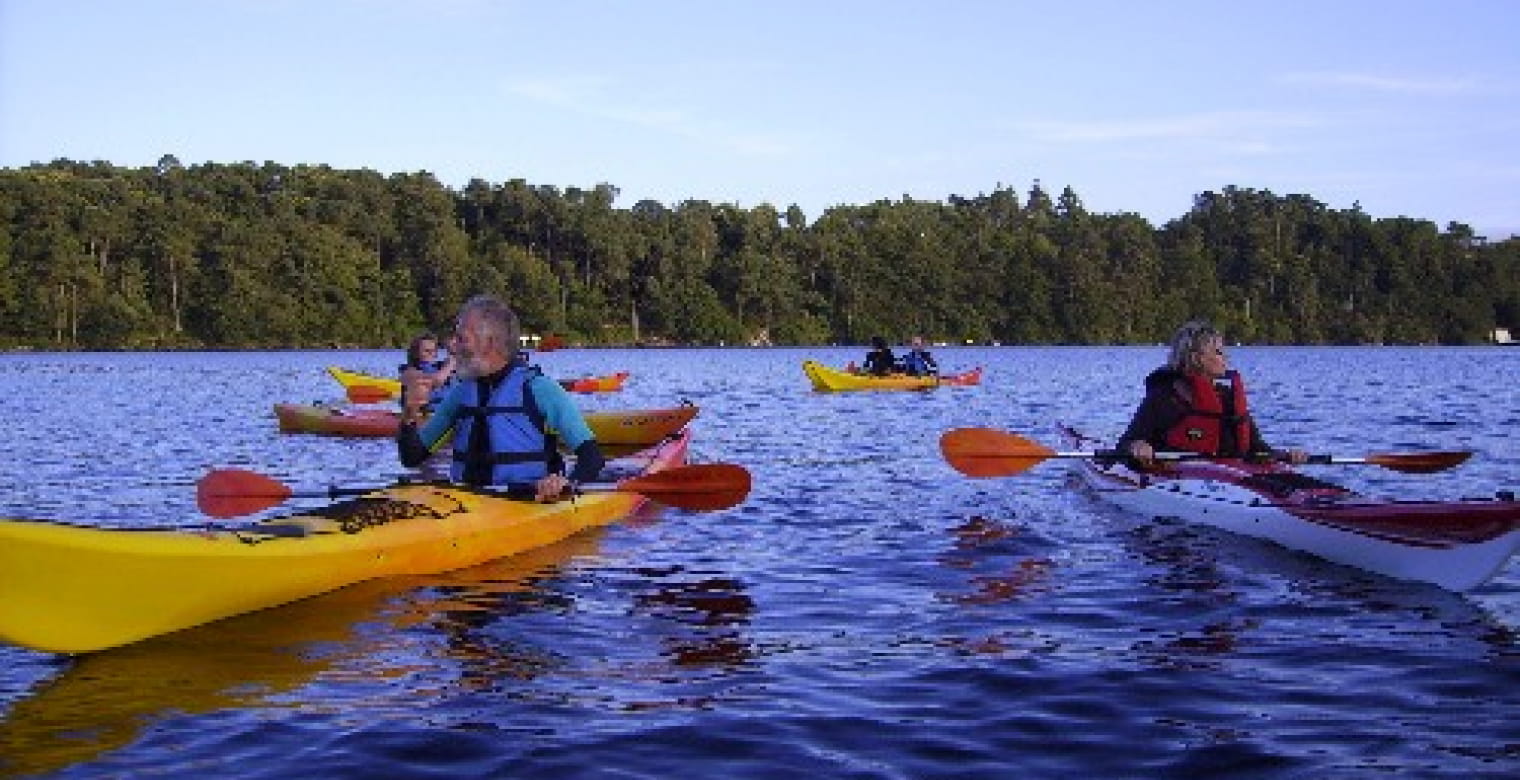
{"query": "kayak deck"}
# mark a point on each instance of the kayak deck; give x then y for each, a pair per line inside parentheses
(73, 589)
(1456, 545)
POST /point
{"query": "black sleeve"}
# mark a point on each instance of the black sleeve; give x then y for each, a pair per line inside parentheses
(1257, 445)
(409, 446)
(1156, 414)
(588, 462)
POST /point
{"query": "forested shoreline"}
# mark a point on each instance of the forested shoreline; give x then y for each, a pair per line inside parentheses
(245, 255)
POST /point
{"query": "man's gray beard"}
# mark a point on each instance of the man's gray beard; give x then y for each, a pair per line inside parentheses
(466, 368)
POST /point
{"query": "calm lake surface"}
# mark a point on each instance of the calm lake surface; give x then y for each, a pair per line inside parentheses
(867, 613)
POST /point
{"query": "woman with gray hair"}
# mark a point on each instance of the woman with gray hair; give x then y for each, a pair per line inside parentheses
(1196, 403)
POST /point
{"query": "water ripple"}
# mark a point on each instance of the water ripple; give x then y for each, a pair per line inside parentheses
(867, 613)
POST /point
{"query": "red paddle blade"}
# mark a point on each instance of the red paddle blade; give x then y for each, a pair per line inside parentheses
(368, 394)
(225, 493)
(702, 487)
(986, 452)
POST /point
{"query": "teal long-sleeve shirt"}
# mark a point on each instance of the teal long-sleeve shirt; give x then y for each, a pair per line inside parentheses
(561, 417)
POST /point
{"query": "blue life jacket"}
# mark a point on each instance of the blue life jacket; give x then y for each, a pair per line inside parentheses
(914, 363)
(520, 450)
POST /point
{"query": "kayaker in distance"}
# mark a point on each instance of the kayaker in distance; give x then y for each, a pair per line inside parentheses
(918, 361)
(1195, 403)
(880, 361)
(500, 411)
(425, 369)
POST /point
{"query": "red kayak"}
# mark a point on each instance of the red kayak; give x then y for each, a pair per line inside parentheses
(1457, 545)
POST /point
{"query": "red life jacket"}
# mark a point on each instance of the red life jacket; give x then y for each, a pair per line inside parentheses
(1201, 429)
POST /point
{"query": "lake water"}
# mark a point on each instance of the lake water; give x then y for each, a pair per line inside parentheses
(867, 613)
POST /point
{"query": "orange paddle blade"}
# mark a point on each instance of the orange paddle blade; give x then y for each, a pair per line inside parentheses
(368, 394)
(227, 493)
(1419, 462)
(986, 452)
(701, 487)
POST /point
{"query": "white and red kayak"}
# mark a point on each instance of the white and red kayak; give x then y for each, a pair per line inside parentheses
(1457, 545)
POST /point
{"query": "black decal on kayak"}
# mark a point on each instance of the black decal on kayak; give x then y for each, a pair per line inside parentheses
(368, 512)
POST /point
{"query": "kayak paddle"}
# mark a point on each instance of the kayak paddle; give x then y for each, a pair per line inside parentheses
(1407, 462)
(231, 492)
(986, 452)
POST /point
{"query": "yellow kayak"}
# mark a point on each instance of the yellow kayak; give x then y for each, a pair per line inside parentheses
(368, 388)
(826, 379)
(73, 589)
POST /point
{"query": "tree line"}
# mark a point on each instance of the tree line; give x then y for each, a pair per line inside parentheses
(95, 255)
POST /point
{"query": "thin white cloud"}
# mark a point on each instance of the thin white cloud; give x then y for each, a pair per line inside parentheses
(1240, 130)
(1391, 84)
(592, 96)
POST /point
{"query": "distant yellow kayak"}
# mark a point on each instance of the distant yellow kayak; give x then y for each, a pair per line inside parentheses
(384, 388)
(369, 388)
(829, 379)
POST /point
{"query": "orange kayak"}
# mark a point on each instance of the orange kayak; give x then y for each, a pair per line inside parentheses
(596, 384)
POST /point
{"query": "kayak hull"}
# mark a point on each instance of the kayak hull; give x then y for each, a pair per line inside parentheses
(1457, 545)
(827, 379)
(615, 427)
(75, 589)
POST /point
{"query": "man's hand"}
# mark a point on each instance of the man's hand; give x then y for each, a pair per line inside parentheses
(552, 488)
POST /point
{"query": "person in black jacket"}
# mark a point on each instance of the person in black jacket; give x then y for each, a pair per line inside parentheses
(880, 361)
(1195, 403)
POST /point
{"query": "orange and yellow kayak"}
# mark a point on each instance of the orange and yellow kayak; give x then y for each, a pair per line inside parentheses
(610, 426)
(596, 384)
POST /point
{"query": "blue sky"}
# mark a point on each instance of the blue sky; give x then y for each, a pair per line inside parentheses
(1409, 108)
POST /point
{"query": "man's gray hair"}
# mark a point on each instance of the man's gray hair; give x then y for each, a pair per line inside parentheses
(498, 326)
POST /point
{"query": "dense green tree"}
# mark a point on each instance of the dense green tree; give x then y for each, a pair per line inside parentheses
(93, 255)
